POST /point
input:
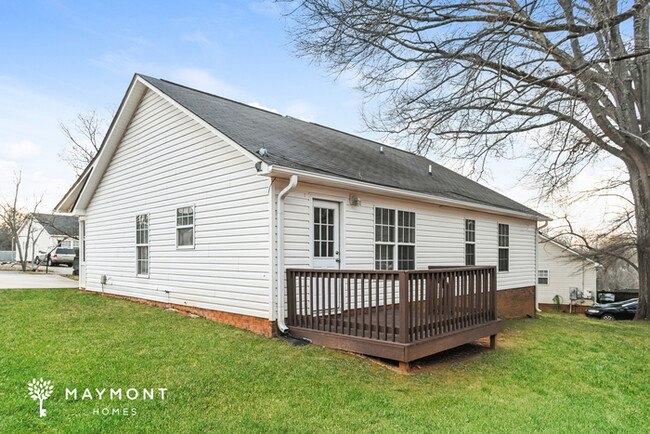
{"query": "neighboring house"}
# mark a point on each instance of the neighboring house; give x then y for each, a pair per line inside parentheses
(183, 203)
(561, 269)
(46, 232)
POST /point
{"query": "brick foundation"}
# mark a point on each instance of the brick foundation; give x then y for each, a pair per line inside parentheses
(550, 307)
(257, 325)
(516, 302)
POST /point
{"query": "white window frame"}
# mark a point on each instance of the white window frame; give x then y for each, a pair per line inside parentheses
(548, 277)
(395, 244)
(138, 245)
(468, 242)
(177, 227)
(505, 247)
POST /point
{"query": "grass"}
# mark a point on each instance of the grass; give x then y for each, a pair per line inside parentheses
(555, 373)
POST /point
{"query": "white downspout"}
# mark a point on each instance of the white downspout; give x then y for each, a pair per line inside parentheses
(536, 262)
(293, 181)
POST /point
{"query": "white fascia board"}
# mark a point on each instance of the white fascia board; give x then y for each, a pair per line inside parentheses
(336, 181)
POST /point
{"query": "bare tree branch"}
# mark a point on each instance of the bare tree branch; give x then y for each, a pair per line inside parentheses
(566, 82)
(84, 135)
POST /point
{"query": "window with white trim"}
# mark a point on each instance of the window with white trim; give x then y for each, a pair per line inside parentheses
(470, 242)
(542, 277)
(142, 244)
(405, 240)
(504, 247)
(390, 245)
(185, 226)
(70, 243)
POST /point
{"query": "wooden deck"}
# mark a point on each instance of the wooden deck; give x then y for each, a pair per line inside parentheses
(398, 315)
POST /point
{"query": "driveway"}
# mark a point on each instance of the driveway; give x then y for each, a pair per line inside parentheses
(58, 269)
(16, 279)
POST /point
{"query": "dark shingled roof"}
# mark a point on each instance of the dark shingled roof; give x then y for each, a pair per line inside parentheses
(311, 147)
(57, 225)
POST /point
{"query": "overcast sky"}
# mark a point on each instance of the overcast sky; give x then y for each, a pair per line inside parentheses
(61, 58)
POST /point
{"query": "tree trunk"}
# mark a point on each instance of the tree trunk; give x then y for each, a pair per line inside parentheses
(20, 251)
(640, 183)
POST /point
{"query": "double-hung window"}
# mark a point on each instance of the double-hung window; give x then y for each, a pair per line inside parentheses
(504, 247)
(405, 240)
(384, 239)
(470, 242)
(142, 244)
(185, 227)
(542, 277)
(394, 239)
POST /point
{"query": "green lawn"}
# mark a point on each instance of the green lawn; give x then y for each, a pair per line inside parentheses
(555, 373)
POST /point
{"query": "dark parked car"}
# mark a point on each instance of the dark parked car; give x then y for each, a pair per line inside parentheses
(612, 311)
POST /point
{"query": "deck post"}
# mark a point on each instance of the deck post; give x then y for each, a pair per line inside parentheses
(405, 366)
(493, 288)
(493, 342)
(291, 298)
(404, 308)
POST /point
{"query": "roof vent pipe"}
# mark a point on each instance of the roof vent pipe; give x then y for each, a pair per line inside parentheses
(430, 170)
(280, 262)
(381, 149)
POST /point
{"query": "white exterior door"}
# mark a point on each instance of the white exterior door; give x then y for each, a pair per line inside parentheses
(325, 235)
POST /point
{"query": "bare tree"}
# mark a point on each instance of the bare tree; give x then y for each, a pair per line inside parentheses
(15, 217)
(85, 135)
(563, 81)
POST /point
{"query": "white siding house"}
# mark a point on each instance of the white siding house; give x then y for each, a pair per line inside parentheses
(155, 171)
(46, 232)
(182, 206)
(561, 269)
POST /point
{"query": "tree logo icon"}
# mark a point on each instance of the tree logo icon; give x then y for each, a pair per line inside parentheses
(40, 390)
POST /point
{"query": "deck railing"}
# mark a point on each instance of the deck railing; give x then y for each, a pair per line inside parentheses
(395, 306)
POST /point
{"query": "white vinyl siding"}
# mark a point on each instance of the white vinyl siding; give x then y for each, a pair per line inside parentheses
(167, 160)
(564, 270)
(439, 233)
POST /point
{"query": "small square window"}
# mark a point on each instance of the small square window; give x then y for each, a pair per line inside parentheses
(542, 277)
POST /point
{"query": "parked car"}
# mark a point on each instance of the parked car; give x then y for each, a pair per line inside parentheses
(613, 311)
(60, 255)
